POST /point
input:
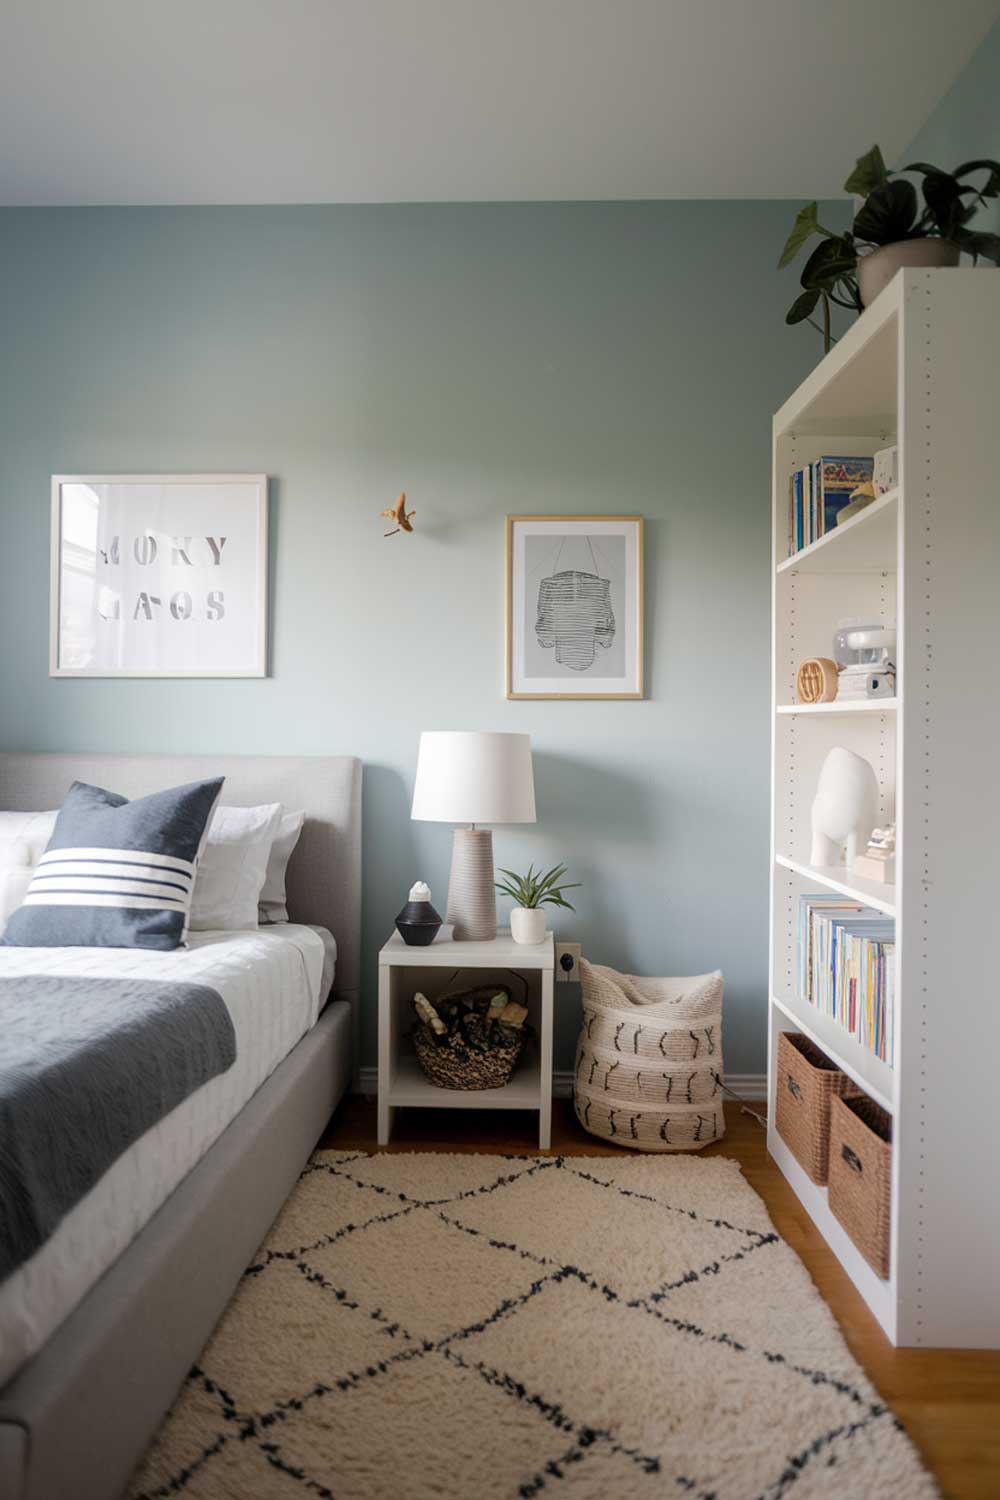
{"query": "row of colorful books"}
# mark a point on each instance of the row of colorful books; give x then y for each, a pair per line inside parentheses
(817, 495)
(847, 967)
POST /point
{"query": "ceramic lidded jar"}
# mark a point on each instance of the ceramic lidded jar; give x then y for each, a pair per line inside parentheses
(418, 923)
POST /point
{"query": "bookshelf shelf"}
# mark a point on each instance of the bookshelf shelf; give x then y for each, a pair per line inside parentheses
(839, 879)
(864, 544)
(917, 369)
(849, 706)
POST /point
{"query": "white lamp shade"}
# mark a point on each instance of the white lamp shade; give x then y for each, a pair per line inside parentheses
(473, 777)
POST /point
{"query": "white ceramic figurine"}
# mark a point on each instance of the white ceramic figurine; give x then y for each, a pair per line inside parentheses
(845, 807)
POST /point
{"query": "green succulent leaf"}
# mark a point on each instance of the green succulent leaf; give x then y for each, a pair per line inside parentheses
(869, 173)
(888, 213)
(533, 890)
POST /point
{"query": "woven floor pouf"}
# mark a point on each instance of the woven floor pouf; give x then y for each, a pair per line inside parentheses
(649, 1060)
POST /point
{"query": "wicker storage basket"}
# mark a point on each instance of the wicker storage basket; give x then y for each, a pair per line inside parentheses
(860, 1191)
(457, 1066)
(807, 1081)
(459, 1063)
(649, 1060)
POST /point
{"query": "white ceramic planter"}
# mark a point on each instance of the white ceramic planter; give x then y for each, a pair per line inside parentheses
(527, 924)
(876, 270)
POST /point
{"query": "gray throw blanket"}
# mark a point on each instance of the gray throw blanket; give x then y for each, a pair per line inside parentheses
(88, 1065)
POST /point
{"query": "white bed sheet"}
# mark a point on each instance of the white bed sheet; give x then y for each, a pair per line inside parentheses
(273, 981)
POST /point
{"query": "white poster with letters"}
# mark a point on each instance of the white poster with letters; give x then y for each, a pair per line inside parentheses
(159, 575)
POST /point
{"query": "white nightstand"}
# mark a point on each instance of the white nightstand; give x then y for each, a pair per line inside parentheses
(403, 970)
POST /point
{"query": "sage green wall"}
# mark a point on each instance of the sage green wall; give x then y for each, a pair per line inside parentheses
(486, 359)
(965, 126)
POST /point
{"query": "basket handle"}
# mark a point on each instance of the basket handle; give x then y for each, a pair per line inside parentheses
(852, 1159)
(793, 1088)
(515, 973)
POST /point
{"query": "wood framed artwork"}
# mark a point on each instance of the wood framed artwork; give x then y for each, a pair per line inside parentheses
(574, 607)
(158, 575)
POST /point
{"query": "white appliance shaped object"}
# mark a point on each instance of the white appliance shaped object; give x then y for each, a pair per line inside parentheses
(845, 807)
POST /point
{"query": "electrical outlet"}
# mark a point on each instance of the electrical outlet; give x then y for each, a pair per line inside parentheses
(568, 963)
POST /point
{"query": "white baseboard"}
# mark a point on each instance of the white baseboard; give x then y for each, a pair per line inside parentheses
(752, 1086)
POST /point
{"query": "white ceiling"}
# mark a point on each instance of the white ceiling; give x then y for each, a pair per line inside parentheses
(311, 101)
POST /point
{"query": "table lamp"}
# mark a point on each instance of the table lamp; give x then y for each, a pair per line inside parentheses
(473, 778)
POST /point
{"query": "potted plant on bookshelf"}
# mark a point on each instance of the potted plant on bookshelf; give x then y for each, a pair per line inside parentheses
(531, 893)
(890, 230)
(894, 230)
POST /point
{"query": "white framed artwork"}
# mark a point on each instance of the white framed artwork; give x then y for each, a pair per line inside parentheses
(158, 575)
(574, 607)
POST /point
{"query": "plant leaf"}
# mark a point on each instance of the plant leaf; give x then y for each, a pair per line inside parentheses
(887, 214)
(992, 188)
(802, 306)
(806, 224)
(942, 195)
(533, 890)
(827, 264)
(977, 242)
(869, 173)
(924, 167)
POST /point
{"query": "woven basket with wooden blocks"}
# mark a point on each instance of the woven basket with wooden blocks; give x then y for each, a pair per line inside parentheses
(470, 1039)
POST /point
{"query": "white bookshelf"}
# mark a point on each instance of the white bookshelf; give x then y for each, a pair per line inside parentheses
(920, 367)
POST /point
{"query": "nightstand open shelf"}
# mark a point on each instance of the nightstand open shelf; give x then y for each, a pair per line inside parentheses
(529, 970)
(411, 1087)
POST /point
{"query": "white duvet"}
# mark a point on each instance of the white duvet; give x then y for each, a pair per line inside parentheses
(273, 980)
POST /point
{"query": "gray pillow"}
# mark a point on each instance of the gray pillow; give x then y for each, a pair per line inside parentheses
(117, 874)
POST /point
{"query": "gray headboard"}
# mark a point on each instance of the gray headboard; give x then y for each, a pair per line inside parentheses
(324, 876)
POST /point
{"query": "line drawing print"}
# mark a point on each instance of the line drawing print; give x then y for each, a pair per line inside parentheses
(575, 614)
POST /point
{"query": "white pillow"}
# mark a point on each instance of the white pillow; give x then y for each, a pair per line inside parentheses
(271, 906)
(24, 838)
(232, 867)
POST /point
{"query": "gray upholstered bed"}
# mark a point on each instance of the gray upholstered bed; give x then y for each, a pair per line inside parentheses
(76, 1418)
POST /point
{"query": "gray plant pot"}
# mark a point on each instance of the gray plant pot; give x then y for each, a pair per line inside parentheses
(876, 270)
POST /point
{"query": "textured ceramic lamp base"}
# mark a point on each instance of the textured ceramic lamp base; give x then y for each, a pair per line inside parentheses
(472, 904)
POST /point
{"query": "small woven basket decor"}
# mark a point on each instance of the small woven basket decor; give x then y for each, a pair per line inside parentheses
(476, 1054)
(807, 1081)
(860, 1191)
(649, 1060)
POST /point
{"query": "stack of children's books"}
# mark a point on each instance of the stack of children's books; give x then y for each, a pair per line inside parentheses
(817, 495)
(846, 967)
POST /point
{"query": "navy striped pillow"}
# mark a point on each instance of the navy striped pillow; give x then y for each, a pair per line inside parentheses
(117, 874)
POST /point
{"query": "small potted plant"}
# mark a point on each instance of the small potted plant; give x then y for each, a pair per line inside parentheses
(890, 230)
(530, 893)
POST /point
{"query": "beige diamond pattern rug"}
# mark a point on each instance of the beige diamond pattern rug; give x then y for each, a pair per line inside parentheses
(435, 1327)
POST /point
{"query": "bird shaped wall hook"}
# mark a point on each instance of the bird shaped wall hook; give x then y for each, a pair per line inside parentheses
(399, 514)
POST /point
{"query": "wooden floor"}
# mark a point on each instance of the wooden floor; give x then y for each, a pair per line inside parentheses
(949, 1401)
